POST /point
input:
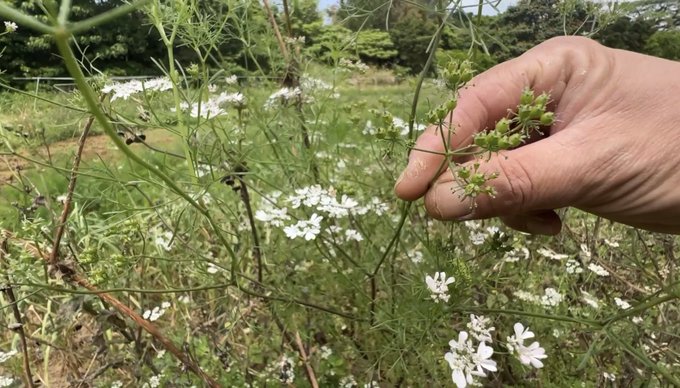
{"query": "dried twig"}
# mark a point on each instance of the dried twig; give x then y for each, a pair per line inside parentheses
(308, 368)
(19, 327)
(73, 277)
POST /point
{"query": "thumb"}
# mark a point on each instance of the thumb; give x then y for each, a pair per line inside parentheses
(547, 174)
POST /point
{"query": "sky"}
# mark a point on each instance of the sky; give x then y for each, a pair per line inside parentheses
(487, 10)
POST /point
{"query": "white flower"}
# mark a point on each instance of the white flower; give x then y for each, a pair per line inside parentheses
(585, 252)
(637, 320)
(326, 352)
(283, 96)
(477, 238)
(551, 297)
(521, 334)
(439, 286)
(231, 80)
(213, 269)
(126, 89)
(6, 381)
(528, 355)
(479, 328)
(516, 254)
(550, 254)
(526, 296)
(623, 305)
(598, 270)
(154, 314)
(308, 229)
(6, 356)
(10, 27)
(115, 384)
(573, 267)
(590, 300)
(466, 363)
(609, 376)
(348, 382)
(164, 240)
(154, 381)
(351, 234)
(612, 244)
(415, 256)
(532, 355)
(482, 359)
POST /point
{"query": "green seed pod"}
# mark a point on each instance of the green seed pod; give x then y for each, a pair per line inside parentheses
(542, 100)
(547, 118)
(503, 143)
(481, 140)
(463, 173)
(503, 126)
(524, 113)
(515, 140)
(527, 97)
(451, 104)
(536, 112)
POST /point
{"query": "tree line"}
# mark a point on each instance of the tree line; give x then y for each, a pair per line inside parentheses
(390, 34)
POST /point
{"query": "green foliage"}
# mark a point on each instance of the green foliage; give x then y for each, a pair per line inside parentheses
(375, 47)
(412, 35)
(332, 43)
(664, 44)
(531, 22)
(626, 33)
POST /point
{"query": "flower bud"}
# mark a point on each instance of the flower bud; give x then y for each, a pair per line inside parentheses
(503, 126)
(547, 118)
(527, 97)
(542, 100)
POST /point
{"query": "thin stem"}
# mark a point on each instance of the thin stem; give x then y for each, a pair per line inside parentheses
(10, 13)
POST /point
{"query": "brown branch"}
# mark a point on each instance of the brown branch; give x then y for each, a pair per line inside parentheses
(27, 377)
(69, 274)
(277, 32)
(308, 368)
(53, 259)
(149, 328)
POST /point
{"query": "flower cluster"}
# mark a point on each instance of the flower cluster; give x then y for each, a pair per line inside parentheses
(214, 106)
(467, 361)
(308, 229)
(528, 355)
(319, 200)
(598, 269)
(439, 286)
(6, 356)
(156, 312)
(354, 66)
(550, 297)
(126, 89)
(10, 27)
(284, 96)
(6, 381)
(397, 123)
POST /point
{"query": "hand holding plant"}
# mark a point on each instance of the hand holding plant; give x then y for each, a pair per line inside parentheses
(611, 150)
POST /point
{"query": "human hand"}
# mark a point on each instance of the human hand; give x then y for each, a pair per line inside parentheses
(614, 149)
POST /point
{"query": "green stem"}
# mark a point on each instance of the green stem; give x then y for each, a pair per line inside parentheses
(10, 13)
(62, 37)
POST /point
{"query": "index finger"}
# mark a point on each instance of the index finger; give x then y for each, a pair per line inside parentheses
(483, 101)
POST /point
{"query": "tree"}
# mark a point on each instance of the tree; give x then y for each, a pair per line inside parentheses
(664, 44)
(412, 35)
(531, 22)
(626, 34)
(375, 47)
